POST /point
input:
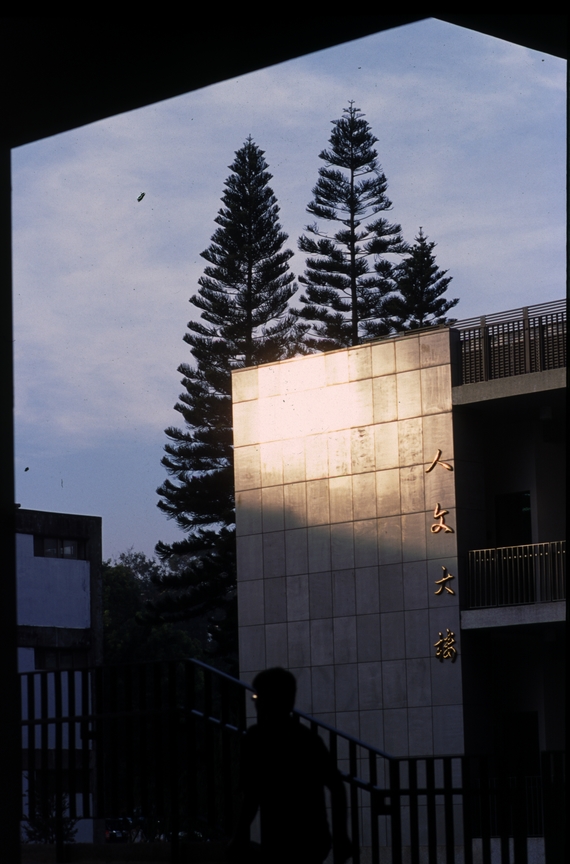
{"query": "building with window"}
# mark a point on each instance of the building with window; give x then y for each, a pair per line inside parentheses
(60, 630)
(60, 623)
(401, 533)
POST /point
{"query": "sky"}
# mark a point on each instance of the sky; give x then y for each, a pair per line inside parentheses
(471, 137)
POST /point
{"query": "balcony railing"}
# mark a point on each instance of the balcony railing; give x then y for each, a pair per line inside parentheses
(512, 575)
(531, 339)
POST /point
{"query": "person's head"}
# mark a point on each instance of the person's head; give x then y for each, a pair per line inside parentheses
(275, 691)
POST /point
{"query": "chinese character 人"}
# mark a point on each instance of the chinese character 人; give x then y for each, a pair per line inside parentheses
(436, 460)
(442, 582)
(440, 526)
(444, 647)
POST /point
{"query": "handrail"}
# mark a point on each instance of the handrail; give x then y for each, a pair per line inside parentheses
(155, 738)
(515, 575)
(532, 339)
(344, 735)
(235, 681)
(552, 308)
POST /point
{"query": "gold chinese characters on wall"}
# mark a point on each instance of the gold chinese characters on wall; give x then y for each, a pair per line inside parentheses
(446, 577)
(438, 512)
(440, 525)
(445, 646)
(437, 461)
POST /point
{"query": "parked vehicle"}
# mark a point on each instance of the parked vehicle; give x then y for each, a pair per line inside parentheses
(118, 830)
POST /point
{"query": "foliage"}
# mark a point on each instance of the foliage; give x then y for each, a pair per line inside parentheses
(41, 827)
(128, 588)
(243, 299)
(421, 287)
(345, 298)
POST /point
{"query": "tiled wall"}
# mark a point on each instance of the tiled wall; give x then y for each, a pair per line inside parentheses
(336, 560)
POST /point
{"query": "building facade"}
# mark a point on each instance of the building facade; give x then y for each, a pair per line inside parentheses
(400, 531)
(59, 593)
(60, 631)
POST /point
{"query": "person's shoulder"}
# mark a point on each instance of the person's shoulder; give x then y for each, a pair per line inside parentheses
(303, 730)
(309, 738)
(306, 730)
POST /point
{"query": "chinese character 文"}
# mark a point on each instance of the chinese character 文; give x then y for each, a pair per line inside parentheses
(440, 526)
(444, 647)
(442, 582)
(436, 461)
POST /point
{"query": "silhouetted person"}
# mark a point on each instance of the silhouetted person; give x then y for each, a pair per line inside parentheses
(285, 768)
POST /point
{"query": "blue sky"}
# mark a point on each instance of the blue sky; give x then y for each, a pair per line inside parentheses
(471, 136)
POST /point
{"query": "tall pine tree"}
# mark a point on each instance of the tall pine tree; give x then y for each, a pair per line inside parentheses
(348, 278)
(421, 287)
(243, 298)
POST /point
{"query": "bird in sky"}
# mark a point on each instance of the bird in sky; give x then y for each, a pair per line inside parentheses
(141, 196)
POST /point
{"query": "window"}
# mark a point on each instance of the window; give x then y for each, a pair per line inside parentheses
(58, 547)
(60, 658)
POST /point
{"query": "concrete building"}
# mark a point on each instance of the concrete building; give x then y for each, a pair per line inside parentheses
(401, 528)
(60, 627)
(60, 619)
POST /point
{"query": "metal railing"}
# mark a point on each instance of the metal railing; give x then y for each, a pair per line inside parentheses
(159, 742)
(531, 339)
(512, 575)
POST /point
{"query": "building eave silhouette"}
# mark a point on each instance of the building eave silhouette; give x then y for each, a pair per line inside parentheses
(58, 74)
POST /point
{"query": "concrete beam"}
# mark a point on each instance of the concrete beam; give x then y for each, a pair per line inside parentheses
(515, 385)
(509, 616)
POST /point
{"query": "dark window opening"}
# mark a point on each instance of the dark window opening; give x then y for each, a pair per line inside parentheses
(517, 741)
(513, 525)
(60, 658)
(59, 547)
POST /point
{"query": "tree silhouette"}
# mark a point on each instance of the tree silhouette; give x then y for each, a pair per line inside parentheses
(243, 299)
(421, 287)
(345, 296)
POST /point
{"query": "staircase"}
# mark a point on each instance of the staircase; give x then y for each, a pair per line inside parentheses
(149, 752)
